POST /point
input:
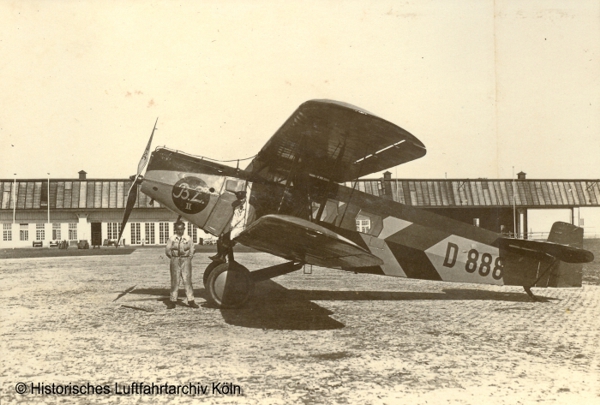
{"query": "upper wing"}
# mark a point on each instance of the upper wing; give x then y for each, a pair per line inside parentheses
(335, 141)
(303, 241)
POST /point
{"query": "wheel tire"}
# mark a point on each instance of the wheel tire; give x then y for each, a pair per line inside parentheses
(207, 271)
(229, 285)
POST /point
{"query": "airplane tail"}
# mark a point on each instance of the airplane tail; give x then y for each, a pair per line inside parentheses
(566, 274)
(558, 262)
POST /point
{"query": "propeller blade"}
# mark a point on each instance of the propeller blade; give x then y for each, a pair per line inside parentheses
(133, 190)
(131, 197)
(144, 158)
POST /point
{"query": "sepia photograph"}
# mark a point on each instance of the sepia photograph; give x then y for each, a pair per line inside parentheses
(302, 202)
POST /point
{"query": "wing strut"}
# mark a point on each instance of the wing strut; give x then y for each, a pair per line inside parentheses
(350, 198)
(323, 200)
(298, 175)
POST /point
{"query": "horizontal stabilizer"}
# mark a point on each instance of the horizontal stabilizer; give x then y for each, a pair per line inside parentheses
(539, 250)
(302, 241)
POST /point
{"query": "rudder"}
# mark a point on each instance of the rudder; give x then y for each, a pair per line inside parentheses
(566, 274)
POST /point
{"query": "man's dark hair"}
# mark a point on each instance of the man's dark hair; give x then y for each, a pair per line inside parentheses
(179, 224)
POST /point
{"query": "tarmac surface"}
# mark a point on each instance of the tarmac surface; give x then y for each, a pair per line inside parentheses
(325, 337)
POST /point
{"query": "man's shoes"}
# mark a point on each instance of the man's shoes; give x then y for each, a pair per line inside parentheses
(217, 258)
(221, 252)
(192, 304)
(171, 304)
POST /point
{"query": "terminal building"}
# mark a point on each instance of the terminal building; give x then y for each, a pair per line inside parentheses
(43, 211)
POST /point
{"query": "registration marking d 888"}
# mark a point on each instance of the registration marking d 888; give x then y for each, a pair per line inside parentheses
(465, 260)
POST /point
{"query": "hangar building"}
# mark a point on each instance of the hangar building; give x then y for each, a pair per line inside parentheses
(92, 209)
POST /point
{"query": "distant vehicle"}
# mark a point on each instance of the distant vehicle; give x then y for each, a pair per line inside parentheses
(304, 214)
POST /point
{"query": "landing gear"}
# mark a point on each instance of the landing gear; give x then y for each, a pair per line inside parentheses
(229, 285)
(208, 270)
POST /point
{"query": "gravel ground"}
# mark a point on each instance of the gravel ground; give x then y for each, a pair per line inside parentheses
(326, 337)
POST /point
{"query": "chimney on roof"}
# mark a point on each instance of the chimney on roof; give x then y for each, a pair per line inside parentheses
(521, 175)
(82, 174)
(387, 186)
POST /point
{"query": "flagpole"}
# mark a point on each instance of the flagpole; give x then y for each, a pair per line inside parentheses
(14, 199)
(514, 204)
(49, 199)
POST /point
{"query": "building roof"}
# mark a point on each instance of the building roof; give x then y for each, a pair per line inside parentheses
(456, 193)
(69, 194)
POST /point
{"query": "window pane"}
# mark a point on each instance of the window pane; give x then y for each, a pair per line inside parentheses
(7, 232)
(72, 231)
(150, 233)
(24, 232)
(135, 233)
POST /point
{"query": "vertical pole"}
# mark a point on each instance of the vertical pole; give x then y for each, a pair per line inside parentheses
(514, 204)
(14, 199)
(49, 199)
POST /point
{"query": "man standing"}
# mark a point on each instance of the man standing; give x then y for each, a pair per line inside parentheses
(180, 249)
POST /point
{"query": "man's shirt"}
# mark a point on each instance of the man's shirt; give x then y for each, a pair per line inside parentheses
(180, 246)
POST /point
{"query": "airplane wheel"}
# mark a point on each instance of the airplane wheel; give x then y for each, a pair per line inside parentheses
(207, 271)
(229, 285)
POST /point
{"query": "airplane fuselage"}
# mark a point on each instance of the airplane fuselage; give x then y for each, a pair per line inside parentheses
(412, 243)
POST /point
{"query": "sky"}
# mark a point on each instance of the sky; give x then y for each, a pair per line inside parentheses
(491, 87)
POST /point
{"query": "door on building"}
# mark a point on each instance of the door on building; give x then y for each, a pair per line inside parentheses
(96, 234)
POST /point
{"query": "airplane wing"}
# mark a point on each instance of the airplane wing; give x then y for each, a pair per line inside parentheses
(335, 141)
(296, 239)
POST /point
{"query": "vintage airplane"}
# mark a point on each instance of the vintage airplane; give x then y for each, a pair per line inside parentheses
(303, 214)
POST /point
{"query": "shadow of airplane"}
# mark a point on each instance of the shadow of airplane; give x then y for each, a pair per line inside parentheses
(275, 307)
(270, 307)
(447, 294)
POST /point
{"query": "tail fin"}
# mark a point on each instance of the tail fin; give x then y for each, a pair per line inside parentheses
(557, 262)
(566, 274)
(566, 234)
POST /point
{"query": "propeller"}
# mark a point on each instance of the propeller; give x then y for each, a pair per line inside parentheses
(137, 179)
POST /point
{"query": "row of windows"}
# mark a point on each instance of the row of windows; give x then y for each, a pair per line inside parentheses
(40, 232)
(112, 229)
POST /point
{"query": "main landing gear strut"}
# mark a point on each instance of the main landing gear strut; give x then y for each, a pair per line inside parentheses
(230, 285)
